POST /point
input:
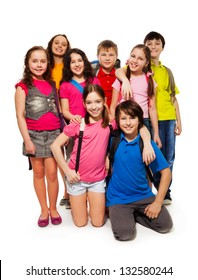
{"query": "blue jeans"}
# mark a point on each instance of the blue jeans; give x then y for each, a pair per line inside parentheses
(168, 139)
(147, 123)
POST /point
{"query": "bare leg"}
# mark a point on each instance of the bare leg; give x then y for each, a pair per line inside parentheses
(52, 183)
(39, 185)
(79, 209)
(97, 208)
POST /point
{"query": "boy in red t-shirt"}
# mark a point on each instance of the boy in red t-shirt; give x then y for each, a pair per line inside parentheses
(105, 66)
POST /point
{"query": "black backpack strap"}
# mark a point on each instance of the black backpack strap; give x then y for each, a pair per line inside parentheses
(30, 164)
(114, 142)
(78, 151)
(148, 171)
(82, 125)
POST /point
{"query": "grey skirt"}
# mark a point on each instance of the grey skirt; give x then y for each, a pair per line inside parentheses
(42, 141)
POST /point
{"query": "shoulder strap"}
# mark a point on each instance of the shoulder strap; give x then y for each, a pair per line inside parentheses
(82, 126)
(171, 85)
(55, 96)
(77, 85)
(114, 142)
(148, 171)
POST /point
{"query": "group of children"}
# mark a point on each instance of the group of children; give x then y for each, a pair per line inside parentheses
(90, 93)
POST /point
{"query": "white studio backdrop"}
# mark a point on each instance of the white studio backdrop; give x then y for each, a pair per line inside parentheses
(86, 23)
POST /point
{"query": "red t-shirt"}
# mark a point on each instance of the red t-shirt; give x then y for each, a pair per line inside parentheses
(106, 81)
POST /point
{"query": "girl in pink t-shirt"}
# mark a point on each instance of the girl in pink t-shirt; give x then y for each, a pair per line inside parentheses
(143, 88)
(77, 73)
(88, 183)
(39, 124)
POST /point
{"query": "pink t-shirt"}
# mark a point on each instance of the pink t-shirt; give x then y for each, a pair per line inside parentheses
(93, 150)
(139, 87)
(74, 96)
(47, 121)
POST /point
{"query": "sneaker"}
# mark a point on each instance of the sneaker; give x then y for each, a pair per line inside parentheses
(65, 202)
(167, 200)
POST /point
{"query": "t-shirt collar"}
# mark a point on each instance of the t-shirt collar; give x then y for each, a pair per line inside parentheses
(136, 140)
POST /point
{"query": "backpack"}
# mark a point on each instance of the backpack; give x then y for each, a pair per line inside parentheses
(113, 145)
(96, 65)
(171, 85)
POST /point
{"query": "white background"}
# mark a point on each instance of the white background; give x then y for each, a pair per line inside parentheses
(23, 244)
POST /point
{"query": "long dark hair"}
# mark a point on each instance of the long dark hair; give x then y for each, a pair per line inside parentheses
(99, 90)
(147, 70)
(67, 73)
(49, 48)
(27, 74)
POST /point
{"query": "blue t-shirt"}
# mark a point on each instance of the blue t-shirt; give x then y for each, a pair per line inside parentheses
(129, 182)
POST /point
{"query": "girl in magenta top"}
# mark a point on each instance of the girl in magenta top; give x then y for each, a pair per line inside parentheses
(77, 68)
(39, 125)
(88, 183)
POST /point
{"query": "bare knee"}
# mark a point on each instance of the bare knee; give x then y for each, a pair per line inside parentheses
(80, 223)
(98, 222)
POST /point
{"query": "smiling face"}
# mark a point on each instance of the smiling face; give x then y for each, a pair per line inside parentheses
(77, 65)
(38, 64)
(155, 47)
(137, 61)
(59, 46)
(129, 125)
(107, 58)
(94, 105)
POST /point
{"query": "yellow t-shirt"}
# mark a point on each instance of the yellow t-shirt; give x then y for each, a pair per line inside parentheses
(57, 74)
(165, 108)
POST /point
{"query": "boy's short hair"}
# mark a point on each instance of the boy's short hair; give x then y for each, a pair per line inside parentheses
(154, 35)
(131, 108)
(107, 44)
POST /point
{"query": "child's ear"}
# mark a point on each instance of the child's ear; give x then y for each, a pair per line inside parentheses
(84, 104)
